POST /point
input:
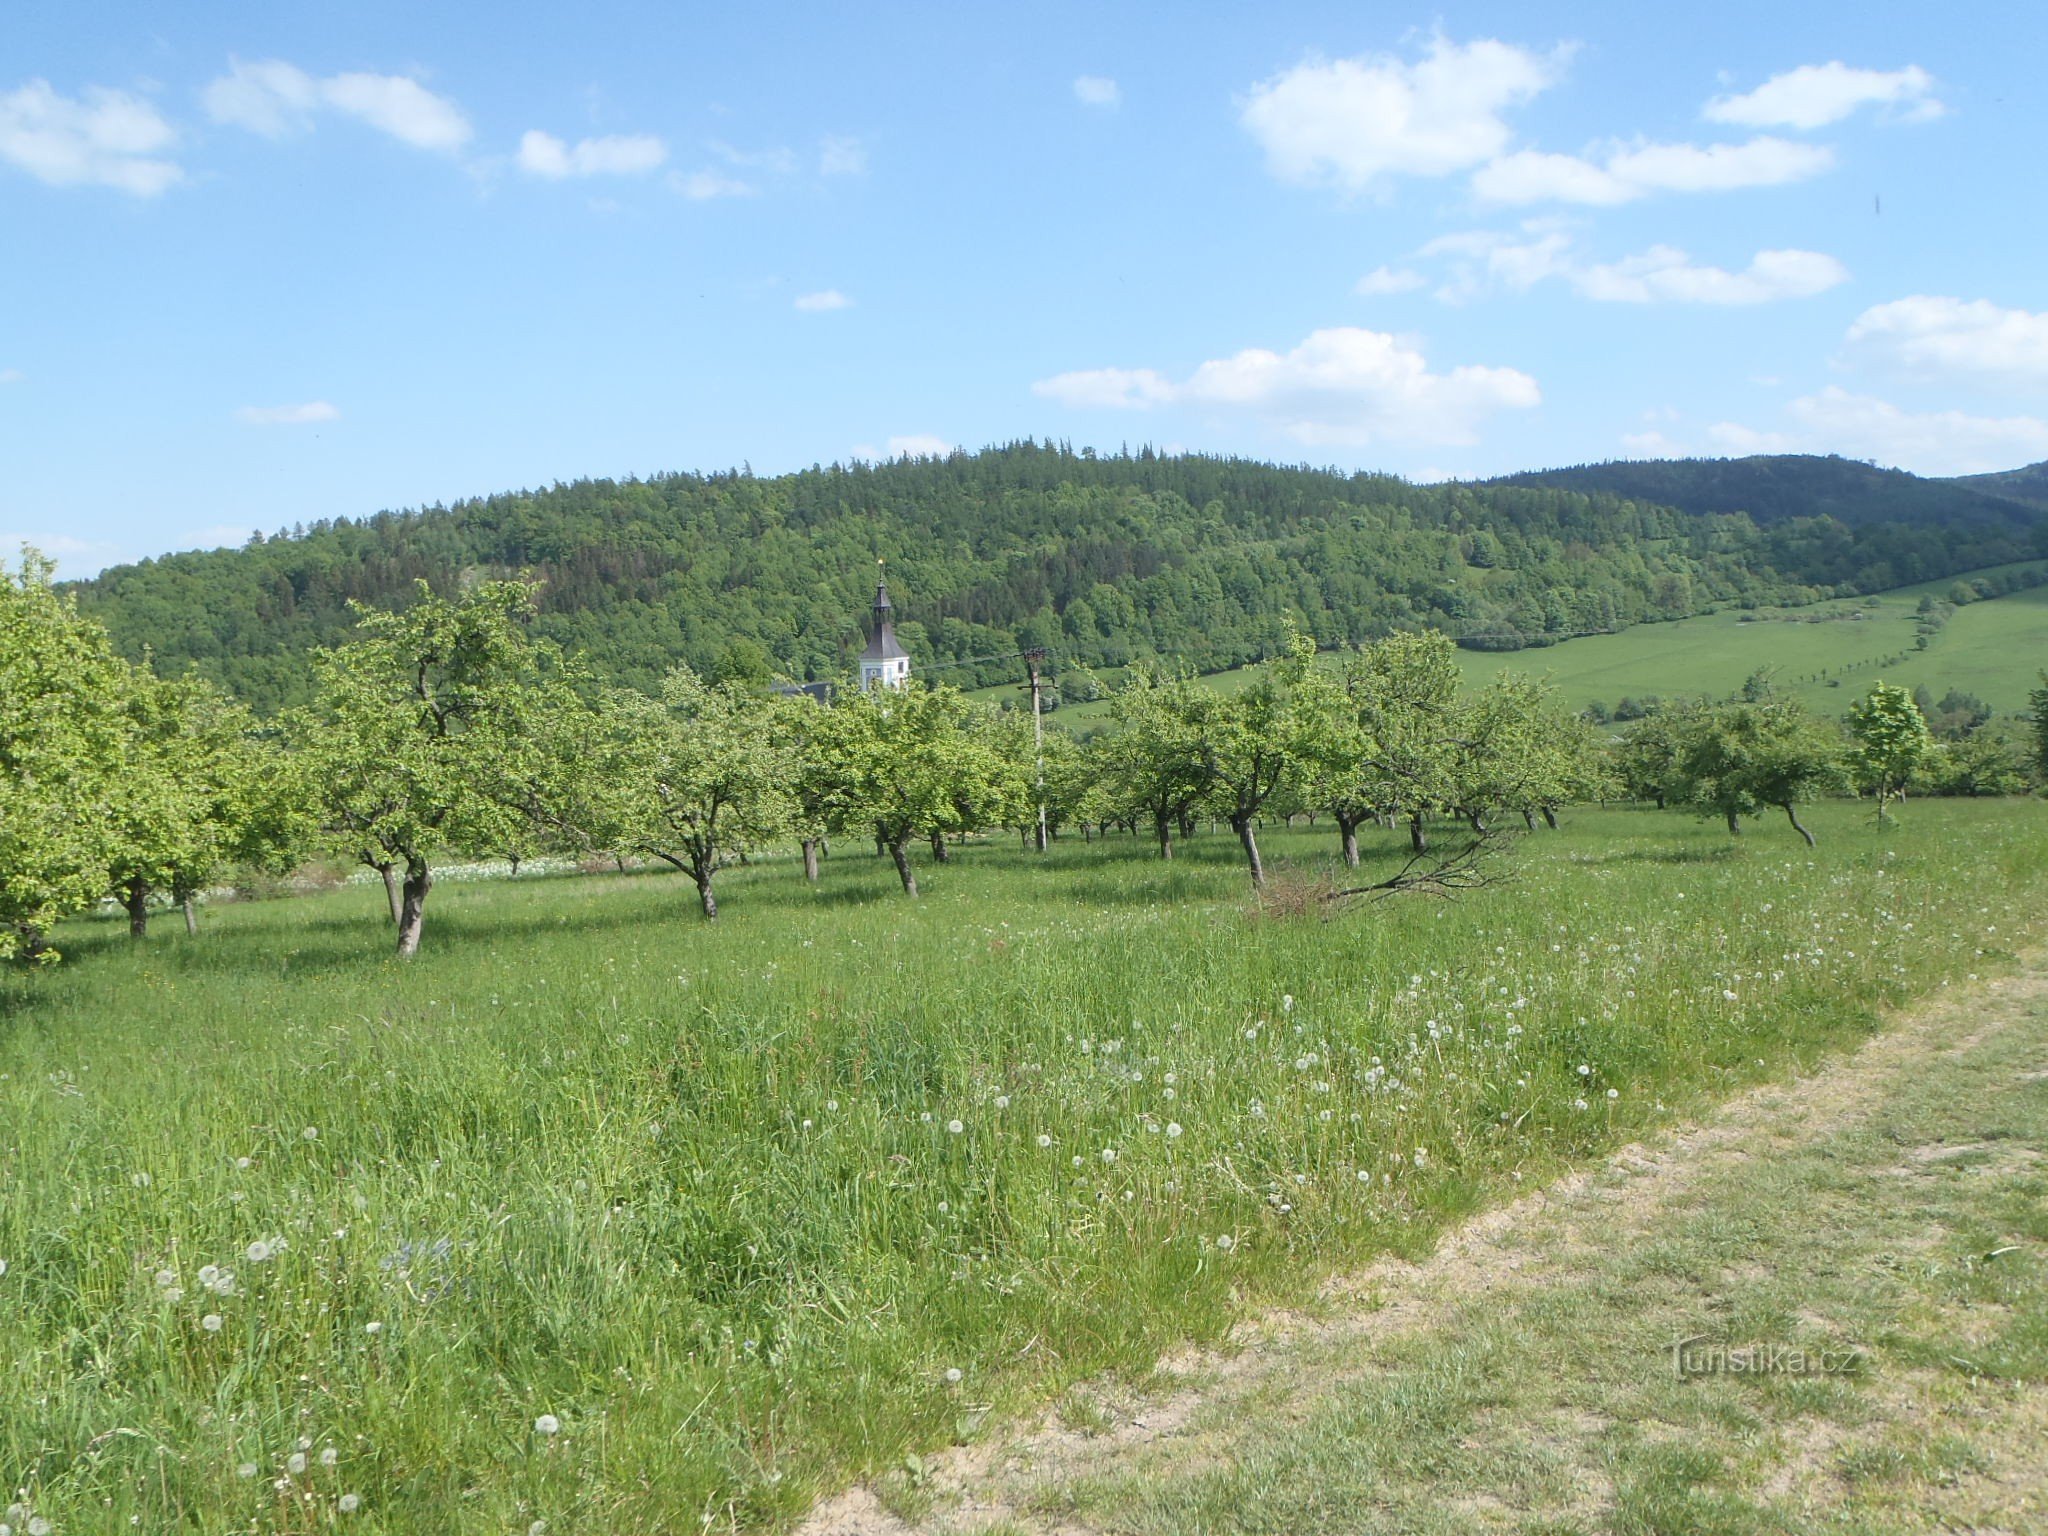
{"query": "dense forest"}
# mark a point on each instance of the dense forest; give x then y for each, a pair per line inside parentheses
(1100, 559)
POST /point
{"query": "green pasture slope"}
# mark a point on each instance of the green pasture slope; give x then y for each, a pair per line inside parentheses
(599, 1216)
(1994, 649)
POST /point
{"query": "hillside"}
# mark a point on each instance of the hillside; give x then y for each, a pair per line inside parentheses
(1102, 560)
(2028, 484)
(1778, 488)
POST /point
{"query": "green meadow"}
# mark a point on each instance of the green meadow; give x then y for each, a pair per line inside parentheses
(1827, 655)
(600, 1218)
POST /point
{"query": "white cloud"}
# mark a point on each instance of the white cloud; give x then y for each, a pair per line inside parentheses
(101, 138)
(701, 186)
(822, 301)
(1929, 336)
(778, 159)
(1341, 385)
(75, 557)
(287, 415)
(841, 156)
(1097, 91)
(1481, 260)
(11, 375)
(1385, 280)
(217, 536)
(1351, 123)
(544, 155)
(916, 445)
(274, 98)
(1664, 274)
(1864, 427)
(1621, 173)
(1815, 95)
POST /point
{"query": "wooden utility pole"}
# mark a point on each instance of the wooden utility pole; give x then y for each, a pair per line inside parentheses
(1031, 660)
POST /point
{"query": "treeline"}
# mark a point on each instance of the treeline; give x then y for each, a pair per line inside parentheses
(454, 728)
(1105, 561)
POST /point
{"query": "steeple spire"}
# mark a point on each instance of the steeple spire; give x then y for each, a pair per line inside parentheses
(884, 662)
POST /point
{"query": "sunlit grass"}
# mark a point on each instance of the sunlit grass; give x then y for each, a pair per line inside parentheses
(697, 1194)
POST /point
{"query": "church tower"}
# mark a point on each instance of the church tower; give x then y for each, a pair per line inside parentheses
(884, 664)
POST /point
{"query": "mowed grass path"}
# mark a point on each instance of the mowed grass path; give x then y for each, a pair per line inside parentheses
(736, 1214)
(1875, 1237)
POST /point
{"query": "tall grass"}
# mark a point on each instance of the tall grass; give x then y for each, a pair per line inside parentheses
(745, 1210)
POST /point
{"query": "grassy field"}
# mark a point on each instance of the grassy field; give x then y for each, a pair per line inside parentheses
(1992, 649)
(599, 1217)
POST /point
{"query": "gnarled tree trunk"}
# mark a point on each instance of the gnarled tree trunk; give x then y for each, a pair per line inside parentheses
(901, 851)
(1418, 839)
(412, 908)
(709, 902)
(1798, 826)
(390, 873)
(1734, 825)
(1348, 826)
(940, 852)
(135, 897)
(1164, 827)
(1242, 826)
(811, 860)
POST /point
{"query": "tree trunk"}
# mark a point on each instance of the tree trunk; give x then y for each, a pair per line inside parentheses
(1550, 818)
(190, 903)
(1734, 825)
(1528, 819)
(135, 897)
(811, 860)
(1164, 827)
(1038, 837)
(1348, 825)
(940, 852)
(412, 909)
(903, 870)
(1417, 838)
(1660, 800)
(515, 866)
(1242, 825)
(390, 874)
(1792, 816)
(33, 944)
(1477, 819)
(704, 896)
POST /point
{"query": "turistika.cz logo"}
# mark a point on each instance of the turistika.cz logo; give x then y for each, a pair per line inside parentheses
(1700, 1356)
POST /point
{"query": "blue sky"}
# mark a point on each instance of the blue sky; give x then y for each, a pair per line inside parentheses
(264, 264)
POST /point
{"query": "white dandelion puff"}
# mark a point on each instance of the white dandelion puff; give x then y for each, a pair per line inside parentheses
(348, 1503)
(954, 1127)
(295, 1463)
(547, 1424)
(1044, 1140)
(211, 1322)
(953, 1375)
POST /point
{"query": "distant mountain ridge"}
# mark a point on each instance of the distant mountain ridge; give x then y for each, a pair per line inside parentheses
(1772, 488)
(1100, 559)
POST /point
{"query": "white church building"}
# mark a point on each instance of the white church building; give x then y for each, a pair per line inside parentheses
(884, 664)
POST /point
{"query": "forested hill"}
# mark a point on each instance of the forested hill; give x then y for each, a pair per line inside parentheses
(1101, 559)
(2028, 484)
(1775, 488)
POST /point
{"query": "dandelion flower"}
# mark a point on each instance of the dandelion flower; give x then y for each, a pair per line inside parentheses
(329, 1456)
(547, 1424)
(211, 1322)
(1109, 1154)
(244, 1163)
(348, 1503)
(246, 1469)
(1172, 1129)
(952, 1375)
(373, 1327)
(165, 1278)
(259, 1252)
(1226, 1242)
(1044, 1140)
(1614, 1093)
(1002, 1101)
(954, 1127)
(310, 1133)
(295, 1463)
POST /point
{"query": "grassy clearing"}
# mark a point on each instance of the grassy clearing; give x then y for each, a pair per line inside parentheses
(1887, 1220)
(699, 1195)
(1992, 649)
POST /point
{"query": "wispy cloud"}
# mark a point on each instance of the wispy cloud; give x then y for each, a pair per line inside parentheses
(702, 186)
(273, 98)
(311, 412)
(544, 155)
(1815, 95)
(839, 155)
(1624, 172)
(101, 138)
(1098, 91)
(826, 299)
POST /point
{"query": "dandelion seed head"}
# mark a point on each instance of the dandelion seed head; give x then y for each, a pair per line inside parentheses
(295, 1463)
(953, 1375)
(954, 1127)
(310, 1133)
(547, 1424)
(348, 1503)
(211, 1322)
(1044, 1140)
